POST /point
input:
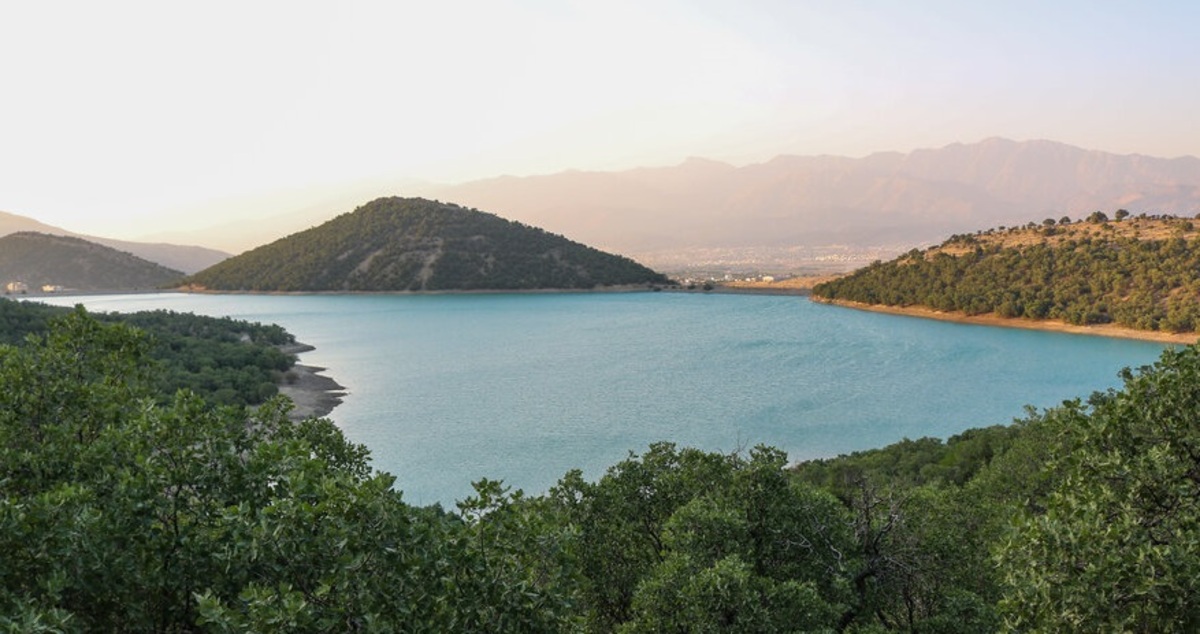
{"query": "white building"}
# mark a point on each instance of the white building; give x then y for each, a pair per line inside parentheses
(16, 287)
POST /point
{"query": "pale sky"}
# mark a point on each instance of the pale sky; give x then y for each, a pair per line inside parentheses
(126, 118)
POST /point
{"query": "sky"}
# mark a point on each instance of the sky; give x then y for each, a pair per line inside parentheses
(130, 118)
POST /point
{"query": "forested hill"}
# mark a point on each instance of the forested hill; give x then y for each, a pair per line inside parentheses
(39, 259)
(1138, 272)
(412, 244)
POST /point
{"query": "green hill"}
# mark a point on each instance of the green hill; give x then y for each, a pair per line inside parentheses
(39, 259)
(1141, 273)
(412, 244)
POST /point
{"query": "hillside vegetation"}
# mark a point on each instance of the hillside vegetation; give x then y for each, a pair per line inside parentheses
(39, 259)
(412, 244)
(1137, 272)
(125, 509)
(224, 361)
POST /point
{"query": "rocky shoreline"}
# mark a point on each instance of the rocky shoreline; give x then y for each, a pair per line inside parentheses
(313, 394)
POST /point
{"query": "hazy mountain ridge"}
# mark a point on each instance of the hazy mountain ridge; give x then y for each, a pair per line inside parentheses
(766, 214)
(883, 198)
(412, 244)
(187, 259)
(39, 259)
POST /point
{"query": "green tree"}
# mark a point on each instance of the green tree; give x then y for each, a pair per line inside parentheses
(620, 521)
(1117, 547)
(118, 513)
(766, 554)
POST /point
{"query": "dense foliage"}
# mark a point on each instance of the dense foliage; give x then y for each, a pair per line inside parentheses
(1117, 548)
(118, 514)
(1148, 284)
(411, 244)
(225, 361)
(38, 259)
(122, 512)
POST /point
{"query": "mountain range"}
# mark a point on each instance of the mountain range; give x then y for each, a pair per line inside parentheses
(779, 213)
(791, 207)
(888, 198)
(187, 259)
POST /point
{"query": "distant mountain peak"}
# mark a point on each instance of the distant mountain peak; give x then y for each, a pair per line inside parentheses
(697, 161)
(797, 201)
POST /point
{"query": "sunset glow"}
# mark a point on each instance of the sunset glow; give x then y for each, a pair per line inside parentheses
(132, 118)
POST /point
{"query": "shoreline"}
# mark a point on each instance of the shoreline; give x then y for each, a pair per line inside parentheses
(730, 289)
(801, 285)
(991, 319)
(313, 395)
(619, 288)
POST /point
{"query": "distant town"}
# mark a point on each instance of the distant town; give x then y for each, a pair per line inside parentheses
(21, 288)
(765, 264)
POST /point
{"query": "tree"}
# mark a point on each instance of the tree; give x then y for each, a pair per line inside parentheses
(620, 520)
(684, 540)
(1118, 546)
(119, 513)
(762, 553)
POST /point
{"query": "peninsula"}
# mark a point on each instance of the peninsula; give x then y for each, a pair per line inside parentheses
(1133, 277)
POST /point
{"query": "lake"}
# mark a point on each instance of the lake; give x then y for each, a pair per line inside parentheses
(447, 389)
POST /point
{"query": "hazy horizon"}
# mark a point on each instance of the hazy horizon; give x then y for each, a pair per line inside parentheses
(135, 119)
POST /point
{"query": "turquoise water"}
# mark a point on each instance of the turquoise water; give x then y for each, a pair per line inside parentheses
(447, 389)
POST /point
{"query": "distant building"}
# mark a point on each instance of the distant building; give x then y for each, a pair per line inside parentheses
(16, 287)
(51, 288)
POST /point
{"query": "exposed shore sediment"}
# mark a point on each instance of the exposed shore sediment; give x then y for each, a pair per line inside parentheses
(1099, 330)
(313, 394)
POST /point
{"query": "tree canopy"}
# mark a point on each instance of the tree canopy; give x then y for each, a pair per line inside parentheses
(222, 360)
(1086, 276)
(120, 514)
(1117, 547)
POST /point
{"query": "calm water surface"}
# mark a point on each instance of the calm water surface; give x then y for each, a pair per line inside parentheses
(447, 389)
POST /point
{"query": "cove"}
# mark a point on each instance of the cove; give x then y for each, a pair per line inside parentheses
(448, 389)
